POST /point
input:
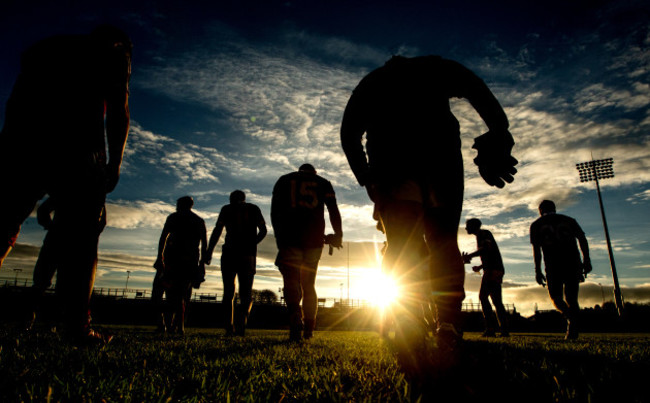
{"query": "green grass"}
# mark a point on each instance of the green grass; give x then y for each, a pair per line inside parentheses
(335, 366)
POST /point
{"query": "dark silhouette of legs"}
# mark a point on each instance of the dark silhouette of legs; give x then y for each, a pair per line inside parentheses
(488, 313)
(299, 268)
(228, 301)
(157, 291)
(403, 222)
(563, 289)
(446, 264)
(245, 278)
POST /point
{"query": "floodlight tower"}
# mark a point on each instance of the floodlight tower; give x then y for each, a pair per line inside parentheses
(593, 171)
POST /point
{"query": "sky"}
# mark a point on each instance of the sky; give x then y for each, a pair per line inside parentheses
(233, 94)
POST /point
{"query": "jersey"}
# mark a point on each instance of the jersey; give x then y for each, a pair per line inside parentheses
(241, 221)
(556, 234)
(490, 254)
(298, 209)
(186, 230)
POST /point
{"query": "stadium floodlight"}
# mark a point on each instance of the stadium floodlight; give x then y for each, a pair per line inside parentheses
(596, 170)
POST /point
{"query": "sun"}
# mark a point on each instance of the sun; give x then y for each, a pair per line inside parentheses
(380, 289)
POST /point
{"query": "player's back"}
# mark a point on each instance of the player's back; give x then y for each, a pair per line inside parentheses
(186, 230)
(240, 221)
(557, 235)
(405, 110)
(298, 208)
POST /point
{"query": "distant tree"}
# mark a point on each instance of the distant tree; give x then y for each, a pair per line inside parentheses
(265, 297)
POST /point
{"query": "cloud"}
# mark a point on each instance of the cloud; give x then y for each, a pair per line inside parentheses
(187, 162)
(639, 197)
(123, 214)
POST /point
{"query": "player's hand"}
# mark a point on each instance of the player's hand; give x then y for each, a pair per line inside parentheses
(466, 258)
(476, 269)
(495, 164)
(43, 217)
(586, 266)
(540, 278)
(334, 240)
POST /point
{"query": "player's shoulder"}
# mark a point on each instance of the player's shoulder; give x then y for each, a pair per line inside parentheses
(536, 223)
(196, 217)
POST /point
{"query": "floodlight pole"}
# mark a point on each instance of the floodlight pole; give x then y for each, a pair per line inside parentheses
(348, 273)
(602, 169)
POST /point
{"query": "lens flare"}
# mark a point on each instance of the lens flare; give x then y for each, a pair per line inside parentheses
(381, 290)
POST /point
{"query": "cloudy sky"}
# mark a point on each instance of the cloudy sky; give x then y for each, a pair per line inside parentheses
(232, 94)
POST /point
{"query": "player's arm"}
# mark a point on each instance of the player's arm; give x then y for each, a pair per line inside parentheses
(537, 257)
(161, 246)
(261, 227)
(352, 131)
(584, 248)
(278, 206)
(117, 117)
(214, 238)
(203, 236)
(494, 160)
(335, 221)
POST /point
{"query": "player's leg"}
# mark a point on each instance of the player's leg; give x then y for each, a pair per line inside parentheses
(488, 314)
(308, 272)
(447, 272)
(502, 315)
(403, 258)
(289, 261)
(157, 291)
(245, 276)
(571, 287)
(555, 287)
(228, 274)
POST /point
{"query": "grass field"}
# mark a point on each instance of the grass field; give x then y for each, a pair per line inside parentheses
(140, 366)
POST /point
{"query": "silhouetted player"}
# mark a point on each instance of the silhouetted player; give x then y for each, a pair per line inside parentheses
(181, 250)
(493, 272)
(298, 219)
(69, 103)
(245, 228)
(412, 169)
(554, 235)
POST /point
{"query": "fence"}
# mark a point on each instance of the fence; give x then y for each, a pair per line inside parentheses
(133, 293)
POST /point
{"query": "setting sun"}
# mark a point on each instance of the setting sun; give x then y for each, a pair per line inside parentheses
(380, 289)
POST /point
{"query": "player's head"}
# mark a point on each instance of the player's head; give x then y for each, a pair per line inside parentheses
(546, 207)
(307, 168)
(237, 196)
(185, 203)
(472, 225)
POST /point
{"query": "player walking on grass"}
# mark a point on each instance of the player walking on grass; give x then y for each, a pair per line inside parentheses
(298, 219)
(181, 249)
(68, 107)
(554, 236)
(493, 271)
(245, 228)
(412, 169)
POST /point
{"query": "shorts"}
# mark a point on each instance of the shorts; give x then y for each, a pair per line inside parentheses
(298, 257)
(238, 263)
